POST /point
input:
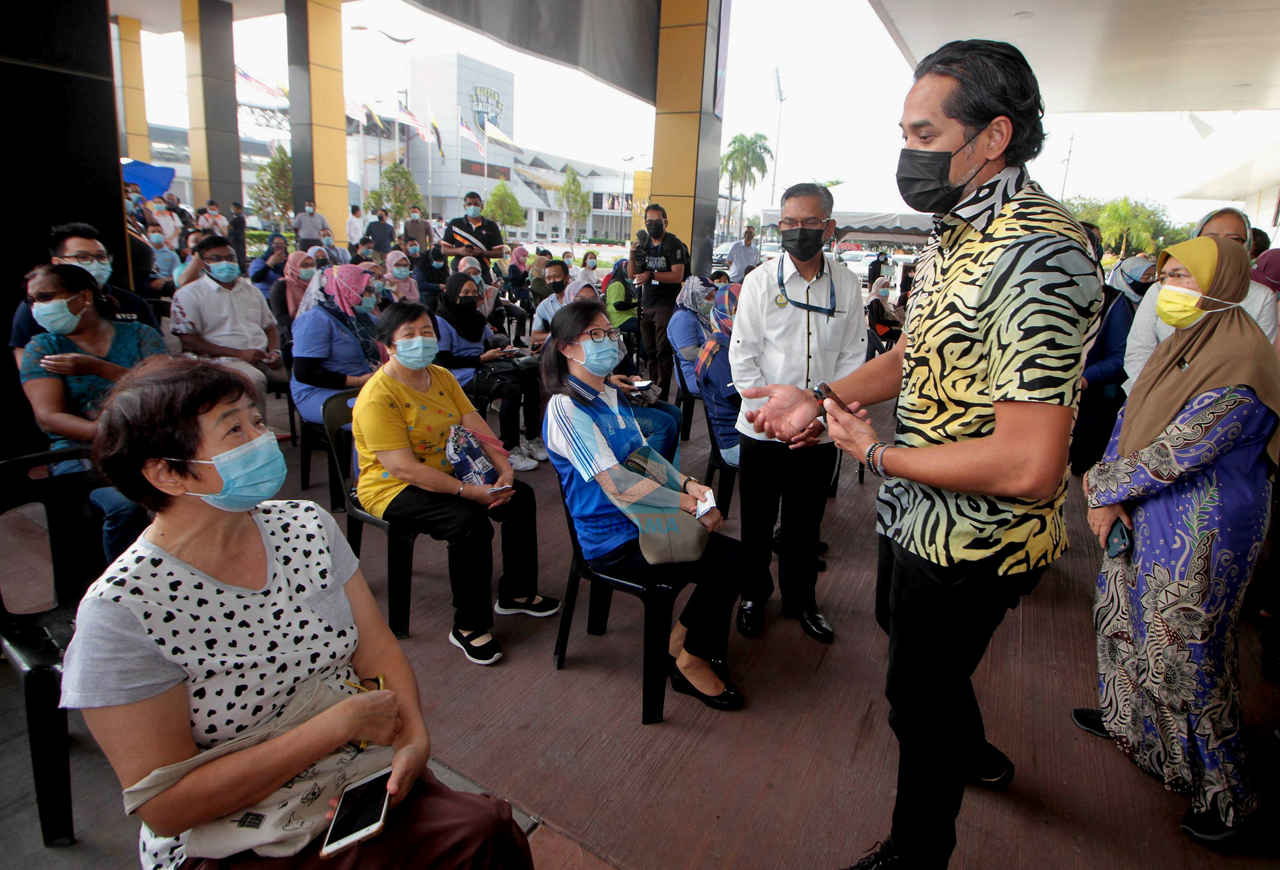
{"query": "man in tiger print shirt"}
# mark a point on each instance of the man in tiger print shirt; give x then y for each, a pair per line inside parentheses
(987, 382)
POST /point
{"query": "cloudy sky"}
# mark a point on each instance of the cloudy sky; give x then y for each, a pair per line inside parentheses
(842, 77)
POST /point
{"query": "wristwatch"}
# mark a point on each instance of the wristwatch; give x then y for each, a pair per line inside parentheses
(684, 487)
(822, 398)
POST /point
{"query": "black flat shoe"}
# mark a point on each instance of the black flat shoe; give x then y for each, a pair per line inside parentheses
(992, 769)
(1207, 827)
(480, 654)
(719, 667)
(729, 699)
(545, 607)
(885, 858)
(750, 619)
(813, 622)
(1091, 721)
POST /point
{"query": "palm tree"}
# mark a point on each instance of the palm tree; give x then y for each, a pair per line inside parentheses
(1127, 223)
(744, 163)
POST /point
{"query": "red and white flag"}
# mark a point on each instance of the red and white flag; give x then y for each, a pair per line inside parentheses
(468, 133)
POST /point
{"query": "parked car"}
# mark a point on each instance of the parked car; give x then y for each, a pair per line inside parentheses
(860, 261)
(720, 256)
(769, 250)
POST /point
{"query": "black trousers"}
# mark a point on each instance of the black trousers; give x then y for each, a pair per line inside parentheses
(657, 347)
(503, 310)
(772, 475)
(939, 622)
(467, 526)
(710, 608)
(517, 389)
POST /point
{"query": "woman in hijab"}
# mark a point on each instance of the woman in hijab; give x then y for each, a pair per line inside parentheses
(399, 278)
(518, 278)
(1101, 393)
(689, 325)
(482, 371)
(1188, 477)
(885, 326)
(623, 306)
(334, 344)
(321, 256)
(299, 269)
(496, 309)
(431, 275)
(1148, 330)
(715, 377)
(539, 289)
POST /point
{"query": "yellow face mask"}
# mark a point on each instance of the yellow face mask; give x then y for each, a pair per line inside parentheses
(1176, 306)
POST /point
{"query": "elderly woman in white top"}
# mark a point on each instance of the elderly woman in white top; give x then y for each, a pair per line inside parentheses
(228, 611)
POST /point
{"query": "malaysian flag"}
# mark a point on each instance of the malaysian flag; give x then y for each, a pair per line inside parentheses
(259, 85)
(404, 116)
(468, 133)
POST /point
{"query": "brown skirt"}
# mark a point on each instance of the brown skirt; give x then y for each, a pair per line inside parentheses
(434, 826)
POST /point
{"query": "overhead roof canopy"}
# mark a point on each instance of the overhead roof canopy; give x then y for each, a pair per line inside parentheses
(1115, 55)
(165, 16)
(912, 224)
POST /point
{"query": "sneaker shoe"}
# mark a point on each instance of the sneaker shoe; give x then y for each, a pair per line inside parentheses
(480, 654)
(886, 857)
(545, 607)
(535, 449)
(519, 461)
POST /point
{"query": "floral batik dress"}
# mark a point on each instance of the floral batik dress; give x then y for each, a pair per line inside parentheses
(1166, 613)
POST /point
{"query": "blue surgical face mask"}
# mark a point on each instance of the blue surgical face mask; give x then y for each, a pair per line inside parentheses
(400, 272)
(366, 304)
(160, 207)
(366, 252)
(251, 473)
(414, 250)
(417, 352)
(377, 286)
(327, 241)
(100, 271)
(473, 211)
(56, 317)
(306, 274)
(311, 209)
(599, 357)
(589, 263)
(224, 272)
(156, 238)
(439, 264)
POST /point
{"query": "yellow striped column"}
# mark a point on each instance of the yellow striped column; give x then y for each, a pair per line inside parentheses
(686, 135)
(137, 139)
(316, 114)
(214, 135)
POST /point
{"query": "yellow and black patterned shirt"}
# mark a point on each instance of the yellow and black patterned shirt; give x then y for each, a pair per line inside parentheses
(1004, 295)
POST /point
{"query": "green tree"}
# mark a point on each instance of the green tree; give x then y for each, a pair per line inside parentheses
(271, 194)
(397, 193)
(1085, 209)
(1127, 223)
(574, 201)
(503, 208)
(744, 164)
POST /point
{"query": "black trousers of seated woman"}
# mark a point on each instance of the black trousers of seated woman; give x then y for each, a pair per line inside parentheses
(515, 389)
(715, 578)
(501, 311)
(468, 527)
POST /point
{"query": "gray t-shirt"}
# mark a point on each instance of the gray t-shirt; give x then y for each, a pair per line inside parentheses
(152, 622)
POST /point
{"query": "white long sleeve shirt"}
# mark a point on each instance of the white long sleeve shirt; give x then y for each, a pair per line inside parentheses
(1148, 330)
(774, 342)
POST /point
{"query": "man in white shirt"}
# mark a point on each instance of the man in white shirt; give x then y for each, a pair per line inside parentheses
(212, 219)
(556, 274)
(1148, 330)
(798, 323)
(170, 223)
(355, 229)
(743, 255)
(223, 316)
(307, 225)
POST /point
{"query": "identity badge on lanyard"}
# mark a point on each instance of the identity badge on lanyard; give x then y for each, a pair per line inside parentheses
(784, 300)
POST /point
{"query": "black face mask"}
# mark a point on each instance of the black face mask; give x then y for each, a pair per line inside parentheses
(466, 303)
(801, 243)
(924, 179)
(655, 228)
(557, 287)
(1139, 287)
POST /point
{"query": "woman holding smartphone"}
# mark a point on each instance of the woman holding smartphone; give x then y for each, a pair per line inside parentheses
(226, 604)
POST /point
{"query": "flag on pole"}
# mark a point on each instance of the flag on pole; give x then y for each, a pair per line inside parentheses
(356, 112)
(408, 119)
(468, 133)
(492, 131)
(374, 115)
(435, 129)
(259, 85)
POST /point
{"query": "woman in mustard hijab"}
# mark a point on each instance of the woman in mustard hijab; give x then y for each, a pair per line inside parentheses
(1188, 475)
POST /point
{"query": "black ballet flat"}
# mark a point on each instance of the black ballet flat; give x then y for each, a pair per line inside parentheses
(729, 699)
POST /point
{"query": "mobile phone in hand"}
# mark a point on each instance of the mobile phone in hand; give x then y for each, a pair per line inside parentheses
(642, 385)
(361, 812)
(831, 394)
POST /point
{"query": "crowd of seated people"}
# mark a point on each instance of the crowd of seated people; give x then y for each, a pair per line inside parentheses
(190, 473)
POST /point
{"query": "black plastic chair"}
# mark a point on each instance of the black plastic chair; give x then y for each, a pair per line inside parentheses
(313, 437)
(34, 642)
(659, 600)
(715, 462)
(400, 538)
(685, 399)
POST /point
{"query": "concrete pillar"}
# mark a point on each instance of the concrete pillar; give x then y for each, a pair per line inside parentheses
(316, 114)
(686, 135)
(214, 136)
(132, 102)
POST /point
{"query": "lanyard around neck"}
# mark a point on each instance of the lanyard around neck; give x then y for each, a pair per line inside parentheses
(829, 310)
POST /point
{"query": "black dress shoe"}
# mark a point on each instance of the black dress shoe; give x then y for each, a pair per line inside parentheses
(813, 622)
(885, 858)
(1091, 721)
(991, 769)
(719, 667)
(729, 699)
(1207, 827)
(750, 619)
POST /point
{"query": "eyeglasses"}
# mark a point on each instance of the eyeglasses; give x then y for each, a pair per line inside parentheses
(601, 334)
(217, 258)
(84, 259)
(807, 223)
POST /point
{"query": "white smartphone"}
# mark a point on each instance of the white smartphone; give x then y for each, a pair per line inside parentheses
(642, 385)
(361, 813)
